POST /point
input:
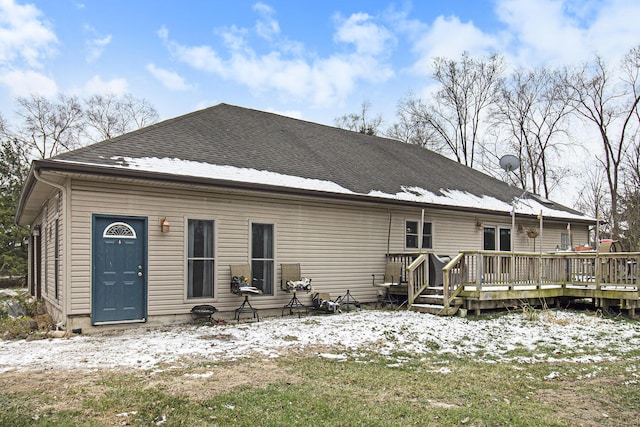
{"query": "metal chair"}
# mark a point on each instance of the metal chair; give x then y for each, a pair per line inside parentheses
(392, 277)
(292, 281)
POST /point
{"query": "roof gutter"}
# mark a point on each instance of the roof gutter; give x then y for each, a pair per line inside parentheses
(92, 169)
(66, 255)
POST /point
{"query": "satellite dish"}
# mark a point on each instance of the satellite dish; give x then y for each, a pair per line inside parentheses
(509, 162)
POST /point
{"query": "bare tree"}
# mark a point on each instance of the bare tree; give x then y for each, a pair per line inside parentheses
(534, 110)
(468, 87)
(48, 127)
(630, 198)
(410, 128)
(594, 199)
(610, 104)
(108, 116)
(360, 122)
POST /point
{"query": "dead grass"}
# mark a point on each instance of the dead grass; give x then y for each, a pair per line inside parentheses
(305, 389)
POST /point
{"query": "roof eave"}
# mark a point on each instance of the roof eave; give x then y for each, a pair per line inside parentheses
(103, 170)
(27, 188)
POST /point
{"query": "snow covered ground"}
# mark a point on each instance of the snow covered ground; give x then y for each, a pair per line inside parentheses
(550, 336)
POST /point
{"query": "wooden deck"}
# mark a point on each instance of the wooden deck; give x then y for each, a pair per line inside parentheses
(479, 280)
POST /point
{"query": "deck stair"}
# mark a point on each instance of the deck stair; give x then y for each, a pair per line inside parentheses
(432, 301)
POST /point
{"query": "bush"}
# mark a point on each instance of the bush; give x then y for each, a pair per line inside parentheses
(35, 324)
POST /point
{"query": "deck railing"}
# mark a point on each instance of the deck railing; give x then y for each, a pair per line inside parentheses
(488, 269)
(415, 272)
(453, 275)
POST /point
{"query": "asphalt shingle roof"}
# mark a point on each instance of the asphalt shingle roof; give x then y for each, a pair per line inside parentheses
(247, 138)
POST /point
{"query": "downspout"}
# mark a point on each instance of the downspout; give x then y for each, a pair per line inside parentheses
(67, 240)
(389, 233)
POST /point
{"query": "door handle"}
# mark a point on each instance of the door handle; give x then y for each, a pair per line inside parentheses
(139, 273)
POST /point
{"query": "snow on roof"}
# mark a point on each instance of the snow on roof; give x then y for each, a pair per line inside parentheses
(447, 197)
(555, 336)
(225, 172)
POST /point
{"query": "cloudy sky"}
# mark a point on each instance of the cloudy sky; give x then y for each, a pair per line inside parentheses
(314, 60)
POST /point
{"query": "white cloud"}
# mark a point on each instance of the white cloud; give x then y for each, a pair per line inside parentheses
(24, 35)
(169, 79)
(614, 30)
(202, 58)
(163, 33)
(565, 32)
(449, 37)
(545, 32)
(266, 27)
(234, 38)
(368, 37)
(96, 84)
(542, 31)
(25, 83)
(95, 46)
(288, 72)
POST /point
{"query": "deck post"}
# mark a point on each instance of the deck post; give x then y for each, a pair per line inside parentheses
(480, 271)
(598, 271)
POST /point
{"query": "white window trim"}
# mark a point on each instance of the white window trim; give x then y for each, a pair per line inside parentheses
(496, 227)
(216, 282)
(417, 220)
(275, 253)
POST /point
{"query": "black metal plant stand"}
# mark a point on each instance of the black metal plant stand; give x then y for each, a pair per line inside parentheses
(294, 304)
(246, 307)
(348, 300)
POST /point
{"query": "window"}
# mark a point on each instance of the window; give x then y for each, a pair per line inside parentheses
(489, 239)
(262, 258)
(565, 241)
(505, 239)
(120, 230)
(200, 259)
(411, 235)
(503, 243)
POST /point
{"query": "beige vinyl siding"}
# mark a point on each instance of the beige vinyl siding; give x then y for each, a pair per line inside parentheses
(338, 244)
(52, 211)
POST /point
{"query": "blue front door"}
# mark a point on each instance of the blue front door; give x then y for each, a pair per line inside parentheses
(119, 269)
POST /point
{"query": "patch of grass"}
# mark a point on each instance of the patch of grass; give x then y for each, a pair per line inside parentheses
(315, 391)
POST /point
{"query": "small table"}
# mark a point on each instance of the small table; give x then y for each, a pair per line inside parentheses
(246, 306)
(294, 304)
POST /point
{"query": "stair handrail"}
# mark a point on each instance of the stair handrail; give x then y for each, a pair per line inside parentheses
(414, 289)
(450, 289)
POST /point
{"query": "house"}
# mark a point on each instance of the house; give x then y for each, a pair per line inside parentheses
(142, 227)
